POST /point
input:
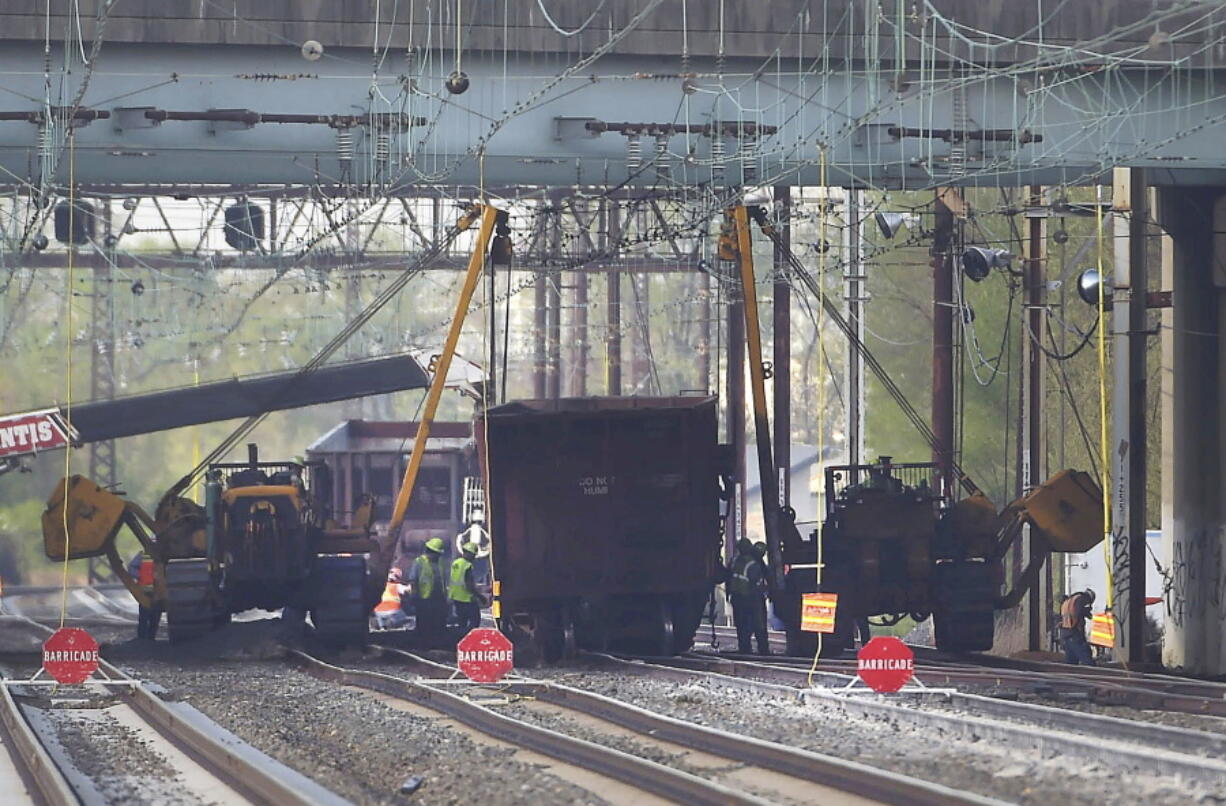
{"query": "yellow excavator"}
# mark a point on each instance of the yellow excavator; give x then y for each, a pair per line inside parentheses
(264, 537)
(894, 541)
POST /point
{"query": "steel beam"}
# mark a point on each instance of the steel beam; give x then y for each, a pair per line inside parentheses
(474, 141)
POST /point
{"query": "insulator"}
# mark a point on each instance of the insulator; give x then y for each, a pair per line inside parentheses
(634, 153)
(45, 140)
(383, 147)
(344, 146)
(749, 159)
(717, 159)
(662, 167)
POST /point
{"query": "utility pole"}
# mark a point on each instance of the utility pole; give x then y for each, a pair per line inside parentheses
(782, 337)
(1128, 433)
(1032, 458)
(855, 289)
(102, 464)
(553, 294)
(613, 301)
(735, 393)
(540, 322)
(943, 342)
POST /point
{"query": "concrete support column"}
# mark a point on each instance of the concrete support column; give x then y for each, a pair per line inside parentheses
(1129, 335)
(1193, 382)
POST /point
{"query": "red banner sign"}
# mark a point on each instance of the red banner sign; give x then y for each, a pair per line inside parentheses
(31, 432)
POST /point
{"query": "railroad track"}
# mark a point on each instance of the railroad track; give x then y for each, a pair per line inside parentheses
(772, 768)
(61, 742)
(994, 666)
(1155, 692)
(1128, 745)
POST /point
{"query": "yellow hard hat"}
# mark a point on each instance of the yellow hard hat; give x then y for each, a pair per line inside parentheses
(435, 544)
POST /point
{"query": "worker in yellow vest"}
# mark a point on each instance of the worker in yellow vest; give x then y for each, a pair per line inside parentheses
(388, 613)
(463, 592)
(429, 594)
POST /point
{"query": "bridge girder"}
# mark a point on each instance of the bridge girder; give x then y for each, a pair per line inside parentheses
(848, 127)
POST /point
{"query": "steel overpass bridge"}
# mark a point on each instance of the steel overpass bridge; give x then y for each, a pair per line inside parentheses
(354, 107)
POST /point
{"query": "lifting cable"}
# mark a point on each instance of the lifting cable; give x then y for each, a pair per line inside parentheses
(328, 350)
(875, 365)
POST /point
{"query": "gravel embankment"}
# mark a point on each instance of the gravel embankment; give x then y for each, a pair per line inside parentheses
(1002, 772)
(353, 744)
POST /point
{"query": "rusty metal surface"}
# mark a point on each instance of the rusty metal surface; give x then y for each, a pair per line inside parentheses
(595, 496)
(739, 27)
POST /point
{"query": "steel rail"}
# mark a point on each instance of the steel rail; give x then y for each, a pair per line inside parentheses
(1158, 695)
(241, 766)
(648, 776)
(1103, 742)
(882, 786)
(32, 758)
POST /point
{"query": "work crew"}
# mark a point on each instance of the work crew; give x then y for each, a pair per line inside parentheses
(463, 591)
(1073, 614)
(746, 581)
(389, 613)
(148, 619)
(429, 597)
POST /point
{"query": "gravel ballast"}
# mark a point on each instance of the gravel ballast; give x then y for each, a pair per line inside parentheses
(353, 744)
(988, 769)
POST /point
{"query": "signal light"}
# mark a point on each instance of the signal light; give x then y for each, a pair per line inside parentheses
(978, 262)
(244, 226)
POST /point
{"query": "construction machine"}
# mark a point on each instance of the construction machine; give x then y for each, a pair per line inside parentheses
(895, 541)
(263, 539)
(893, 545)
(265, 536)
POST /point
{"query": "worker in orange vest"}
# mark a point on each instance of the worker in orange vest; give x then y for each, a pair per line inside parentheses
(388, 613)
(148, 619)
(1073, 614)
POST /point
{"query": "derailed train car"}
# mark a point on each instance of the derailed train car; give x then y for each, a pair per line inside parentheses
(605, 520)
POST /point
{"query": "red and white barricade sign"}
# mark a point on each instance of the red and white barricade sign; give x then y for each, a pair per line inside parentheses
(70, 656)
(31, 432)
(885, 664)
(485, 655)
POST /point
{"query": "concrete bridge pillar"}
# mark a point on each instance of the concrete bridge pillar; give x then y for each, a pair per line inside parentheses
(1193, 388)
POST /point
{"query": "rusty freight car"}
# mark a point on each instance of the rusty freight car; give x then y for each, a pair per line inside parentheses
(605, 520)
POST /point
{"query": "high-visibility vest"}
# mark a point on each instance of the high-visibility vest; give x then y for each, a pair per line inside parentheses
(426, 578)
(144, 576)
(741, 584)
(390, 602)
(1072, 616)
(458, 590)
